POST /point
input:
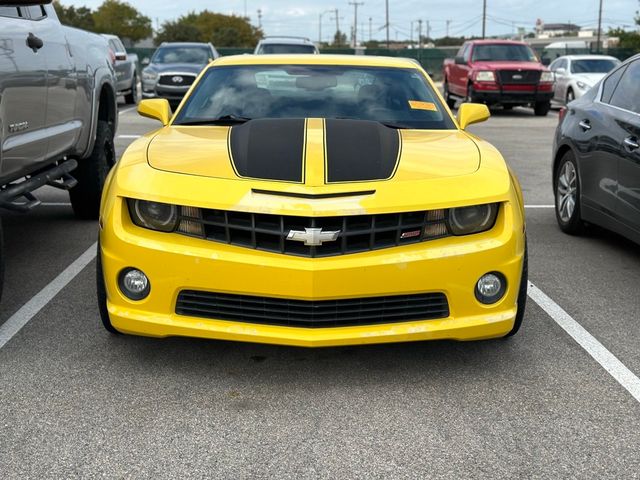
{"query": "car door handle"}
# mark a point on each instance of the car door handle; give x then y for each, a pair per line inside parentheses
(585, 125)
(631, 143)
(34, 42)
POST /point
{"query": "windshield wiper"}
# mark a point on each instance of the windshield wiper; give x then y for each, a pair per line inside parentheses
(222, 120)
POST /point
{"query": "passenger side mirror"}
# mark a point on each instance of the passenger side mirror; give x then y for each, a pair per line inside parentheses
(560, 71)
(146, 61)
(546, 62)
(470, 113)
(121, 56)
(157, 109)
(460, 61)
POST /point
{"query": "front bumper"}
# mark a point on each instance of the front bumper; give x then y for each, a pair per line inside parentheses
(512, 97)
(151, 90)
(174, 262)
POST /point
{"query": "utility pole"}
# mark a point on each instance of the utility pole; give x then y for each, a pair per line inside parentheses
(387, 23)
(411, 34)
(320, 15)
(484, 18)
(419, 34)
(599, 27)
(355, 22)
(428, 31)
(448, 23)
(259, 18)
(370, 20)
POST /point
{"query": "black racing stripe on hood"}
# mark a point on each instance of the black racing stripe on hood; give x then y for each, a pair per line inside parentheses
(360, 150)
(269, 149)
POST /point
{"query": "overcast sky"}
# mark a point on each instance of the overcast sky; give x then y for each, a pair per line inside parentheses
(300, 17)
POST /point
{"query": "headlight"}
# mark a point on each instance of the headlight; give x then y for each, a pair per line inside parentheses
(583, 86)
(485, 77)
(149, 76)
(474, 219)
(162, 217)
(547, 77)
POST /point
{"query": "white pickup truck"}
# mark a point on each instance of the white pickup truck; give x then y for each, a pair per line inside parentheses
(58, 110)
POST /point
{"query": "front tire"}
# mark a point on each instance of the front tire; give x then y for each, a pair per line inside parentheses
(132, 97)
(92, 173)
(102, 296)
(570, 96)
(1, 258)
(522, 293)
(540, 109)
(566, 187)
(451, 102)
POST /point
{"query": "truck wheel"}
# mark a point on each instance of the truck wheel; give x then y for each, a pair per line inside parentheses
(1, 259)
(451, 102)
(132, 98)
(91, 174)
(541, 109)
(469, 98)
(102, 296)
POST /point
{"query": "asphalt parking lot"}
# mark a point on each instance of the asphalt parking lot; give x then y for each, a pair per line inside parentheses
(78, 402)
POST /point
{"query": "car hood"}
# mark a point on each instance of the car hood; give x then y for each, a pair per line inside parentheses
(508, 66)
(176, 67)
(589, 78)
(313, 152)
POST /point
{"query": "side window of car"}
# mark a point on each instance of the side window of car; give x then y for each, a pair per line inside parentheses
(461, 50)
(610, 84)
(13, 12)
(467, 53)
(36, 12)
(627, 94)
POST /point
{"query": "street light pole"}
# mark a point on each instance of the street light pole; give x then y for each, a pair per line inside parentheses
(387, 23)
(484, 18)
(320, 15)
(355, 22)
(599, 27)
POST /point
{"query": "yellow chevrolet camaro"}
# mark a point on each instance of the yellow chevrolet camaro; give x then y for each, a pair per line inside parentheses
(312, 200)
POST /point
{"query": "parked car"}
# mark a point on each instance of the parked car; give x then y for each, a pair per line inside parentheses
(596, 163)
(126, 67)
(58, 111)
(576, 74)
(498, 72)
(271, 45)
(173, 68)
(345, 206)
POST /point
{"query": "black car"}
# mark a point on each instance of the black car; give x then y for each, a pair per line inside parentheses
(596, 162)
(173, 68)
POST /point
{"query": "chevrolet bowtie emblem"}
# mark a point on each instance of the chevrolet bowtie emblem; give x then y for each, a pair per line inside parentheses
(313, 237)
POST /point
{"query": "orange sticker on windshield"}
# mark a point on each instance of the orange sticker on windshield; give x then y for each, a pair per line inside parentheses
(418, 105)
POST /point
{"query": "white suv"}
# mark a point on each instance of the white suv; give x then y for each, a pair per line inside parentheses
(270, 45)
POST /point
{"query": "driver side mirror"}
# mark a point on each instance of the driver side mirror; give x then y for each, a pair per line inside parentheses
(470, 113)
(121, 56)
(157, 109)
(560, 71)
(146, 61)
(460, 61)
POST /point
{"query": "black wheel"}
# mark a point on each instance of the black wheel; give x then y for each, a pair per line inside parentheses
(91, 174)
(541, 109)
(132, 98)
(102, 296)
(570, 96)
(469, 97)
(566, 186)
(522, 293)
(1, 259)
(451, 102)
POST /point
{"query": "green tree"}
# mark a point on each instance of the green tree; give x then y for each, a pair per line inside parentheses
(81, 17)
(221, 30)
(120, 18)
(339, 39)
(627, 39)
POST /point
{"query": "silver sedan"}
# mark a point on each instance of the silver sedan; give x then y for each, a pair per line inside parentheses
(576, 74)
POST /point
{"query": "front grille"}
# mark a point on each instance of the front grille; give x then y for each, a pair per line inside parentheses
(519, 77)
(357, 233)
(176, 80)
(312, 314)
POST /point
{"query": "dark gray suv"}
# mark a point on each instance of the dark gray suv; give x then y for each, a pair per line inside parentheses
(173, 68)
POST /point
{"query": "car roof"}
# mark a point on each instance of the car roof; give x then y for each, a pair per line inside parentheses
(314, 59)
(286, 41)
(492, 42)
(184, 44)
(587, 57)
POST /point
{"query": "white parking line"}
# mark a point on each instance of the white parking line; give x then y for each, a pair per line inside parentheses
(539, 206)
(588, 342)
(55, 204)
(126, 110)
(44, 296)
(129, 136)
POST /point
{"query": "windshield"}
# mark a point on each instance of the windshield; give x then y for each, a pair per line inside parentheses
(198, 55)
(593, 65)
(398, 97)
(503, 53)
(284, 48)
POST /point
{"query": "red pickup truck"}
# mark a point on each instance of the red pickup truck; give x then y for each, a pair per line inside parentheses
(498, 72)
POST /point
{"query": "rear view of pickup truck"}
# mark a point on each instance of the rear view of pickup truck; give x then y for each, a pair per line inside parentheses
(58, 111)
(498, 72)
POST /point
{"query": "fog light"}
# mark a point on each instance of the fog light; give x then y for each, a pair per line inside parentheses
(490, 288)
(134, 284)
